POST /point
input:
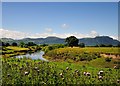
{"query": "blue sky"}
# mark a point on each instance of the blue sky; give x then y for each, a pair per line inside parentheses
(42, 19)
(60, 0)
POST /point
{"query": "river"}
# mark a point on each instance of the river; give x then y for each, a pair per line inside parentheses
(35, 55)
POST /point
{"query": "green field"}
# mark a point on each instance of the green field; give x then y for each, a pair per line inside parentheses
(11, 51)
(66, 66)
(27, 71)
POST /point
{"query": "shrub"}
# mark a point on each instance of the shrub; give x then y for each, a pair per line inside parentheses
(14, 44)
(81, 45)
(108, 59)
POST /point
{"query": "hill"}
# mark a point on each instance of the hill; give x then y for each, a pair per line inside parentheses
(56, 40)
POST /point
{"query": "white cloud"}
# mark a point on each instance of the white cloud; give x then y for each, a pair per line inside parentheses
(65, 26)
(115, 37)
(49, 29)
(12, 34)
(19, 35)
(94, 33)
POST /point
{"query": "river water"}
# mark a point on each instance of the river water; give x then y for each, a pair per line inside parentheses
(35, 55)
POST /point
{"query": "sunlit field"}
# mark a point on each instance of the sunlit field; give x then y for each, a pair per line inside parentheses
(27, 71)
(65, 66)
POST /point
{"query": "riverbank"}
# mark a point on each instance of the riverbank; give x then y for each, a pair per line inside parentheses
(86, 56)
(11, 51)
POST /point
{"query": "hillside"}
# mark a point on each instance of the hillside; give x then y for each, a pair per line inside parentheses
(56, 40)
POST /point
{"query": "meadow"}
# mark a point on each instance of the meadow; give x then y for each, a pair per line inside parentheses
(66, 65)
(27, 71)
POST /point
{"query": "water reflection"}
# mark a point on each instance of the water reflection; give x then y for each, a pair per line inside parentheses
(35, 55)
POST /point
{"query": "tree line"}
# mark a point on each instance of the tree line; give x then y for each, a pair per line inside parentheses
(21, 44)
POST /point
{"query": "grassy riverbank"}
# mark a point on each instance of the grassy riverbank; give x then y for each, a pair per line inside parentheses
(16, 50)
(89, 55)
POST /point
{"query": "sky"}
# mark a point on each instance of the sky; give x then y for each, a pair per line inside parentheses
(61, 19)
(60, 0)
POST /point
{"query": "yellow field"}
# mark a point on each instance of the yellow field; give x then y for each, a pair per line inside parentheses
(112, 50)
(16, 48)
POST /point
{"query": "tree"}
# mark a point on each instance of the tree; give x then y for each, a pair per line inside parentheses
(72, 41)
(102, 45)
(14, 44)
(2, 43)
(7, 44)
(82, 45)
(118, 45)
(22, 44)
(31, 44)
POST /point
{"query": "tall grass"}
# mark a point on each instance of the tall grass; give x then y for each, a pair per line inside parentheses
(26, 71)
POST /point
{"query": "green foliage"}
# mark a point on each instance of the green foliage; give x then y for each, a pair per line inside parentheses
(30, 44)
(66, 54)
(43, 45)
(52, 47)
(72, 41)
(14, 44)
(108, 59)
(4, 44)
(81, 45)
(7, 44)
(25, 71)
(104, 45)
(22, 44)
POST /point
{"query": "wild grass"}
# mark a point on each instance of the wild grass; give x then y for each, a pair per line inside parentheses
(79, 54)
(26, 71)
(16, 48)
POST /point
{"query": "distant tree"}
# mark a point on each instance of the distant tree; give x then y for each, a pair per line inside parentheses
(81, 45)
(31, 44)
(50, 47)
(44, 45)
(72, 41)
(2, 44)
(26, 46)
(7, 44)
(14, 44)
(96, 45)
(102, 45)
(118, 45)
(22, 44)
(109, 45)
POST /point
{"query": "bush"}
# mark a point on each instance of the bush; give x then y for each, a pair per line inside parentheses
(14, 44)
(81, 45)
(50, 47)
(108, 59)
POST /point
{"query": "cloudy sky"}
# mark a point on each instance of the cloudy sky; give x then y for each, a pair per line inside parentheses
(61, 19)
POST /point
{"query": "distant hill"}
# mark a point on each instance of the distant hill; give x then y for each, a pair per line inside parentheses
(6, 39)
(56, 40)
(99, 40)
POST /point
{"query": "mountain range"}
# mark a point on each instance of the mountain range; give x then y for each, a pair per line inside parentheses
(55, 40)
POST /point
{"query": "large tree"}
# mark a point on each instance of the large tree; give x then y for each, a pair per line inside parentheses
(14, 44)
(72, 41)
